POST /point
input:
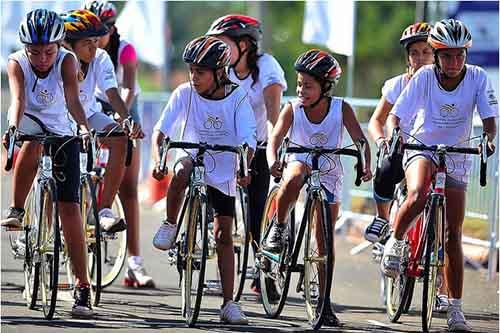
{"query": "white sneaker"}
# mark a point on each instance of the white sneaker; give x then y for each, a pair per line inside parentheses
(441, 305)
(231, 313)
(109, 222)
(135, 275)
(165, 236)
(456, 320)
(391, 259)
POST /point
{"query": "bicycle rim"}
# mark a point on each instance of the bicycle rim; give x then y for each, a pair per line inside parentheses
(31, 269)
(398, 295)
(113, 250)
(194, 261)
(430, 264)
(241, 242)
(318, 262)
(274, 275)
(48, 247)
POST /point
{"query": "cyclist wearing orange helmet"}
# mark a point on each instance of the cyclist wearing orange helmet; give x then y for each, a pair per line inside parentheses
(125, 62)
(438, 105)
(44, 100)
(263, 78)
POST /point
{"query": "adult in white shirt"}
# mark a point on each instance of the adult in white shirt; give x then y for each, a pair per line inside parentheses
(211, 109)
(440, 100)
(262, 77)
(84, 29)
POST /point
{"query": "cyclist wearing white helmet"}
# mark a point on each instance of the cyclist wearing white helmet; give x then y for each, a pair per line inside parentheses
(210, 97)
(44, 100)
(264, 80)
(438, 103)
(125, 62)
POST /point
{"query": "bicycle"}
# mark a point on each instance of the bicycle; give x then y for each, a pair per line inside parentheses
(43, 242)
(424, 251)
(316, 220)
(192, 251)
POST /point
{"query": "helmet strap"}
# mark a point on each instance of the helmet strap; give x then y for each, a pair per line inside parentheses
(240, 54)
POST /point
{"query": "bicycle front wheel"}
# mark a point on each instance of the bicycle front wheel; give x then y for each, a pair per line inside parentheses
(194, 251)
(241, 242)
(49, 244)
(433, 219)
(274, 269)
(318, 261)
(31, 269)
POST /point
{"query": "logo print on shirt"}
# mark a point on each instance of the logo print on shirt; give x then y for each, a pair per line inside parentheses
(45, 97)
(212, 122)
(318, 139)
(492, 99)
(448, 110)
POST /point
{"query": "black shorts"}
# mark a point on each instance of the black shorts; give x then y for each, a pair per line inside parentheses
(222, 205)
(387, 177)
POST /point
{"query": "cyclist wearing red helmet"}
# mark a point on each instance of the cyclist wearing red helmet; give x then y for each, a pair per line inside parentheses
(212, 109)
(44, 100)
(316, 113)
(263, 78)
(438, 104)
(125, 63)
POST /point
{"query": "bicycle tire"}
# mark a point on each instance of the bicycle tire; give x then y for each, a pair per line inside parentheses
(241, 244)
(313, 256)
(30, 268)
(113, 248)
(92, 231)
(49, 260)
(197, 229)
(278, 273)
(435, 214)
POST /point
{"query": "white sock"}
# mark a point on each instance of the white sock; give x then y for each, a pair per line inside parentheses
(455, 302)
(134, 261)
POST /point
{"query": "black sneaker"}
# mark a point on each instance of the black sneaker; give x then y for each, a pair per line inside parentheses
(82, 306)
(14, 219)
(377, 230)
(275, 238)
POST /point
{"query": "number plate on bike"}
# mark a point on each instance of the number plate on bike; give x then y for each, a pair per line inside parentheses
(199, 174)
(440, 181)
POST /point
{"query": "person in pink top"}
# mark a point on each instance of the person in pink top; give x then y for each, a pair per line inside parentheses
(124, 58)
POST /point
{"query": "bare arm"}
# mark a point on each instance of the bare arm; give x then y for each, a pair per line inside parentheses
(16, 86)
(117, 103)
(71, 92)
(128, 89)
(354, 130)
(282, 125)
(272, 99)
(156, 141)
(392, 123)
(378, 120)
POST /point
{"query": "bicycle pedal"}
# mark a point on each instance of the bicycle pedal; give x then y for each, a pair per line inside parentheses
(65, 286)
(12, 228)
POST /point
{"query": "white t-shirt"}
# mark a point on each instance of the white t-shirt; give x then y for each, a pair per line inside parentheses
(119, 75)
(445, 117)
(228, 121)
(101, 74)
(393, 87)
(44, 97)
(270, 72)
(327, 134)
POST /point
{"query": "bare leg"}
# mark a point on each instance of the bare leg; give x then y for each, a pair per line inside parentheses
(225, 255)
(25, 172)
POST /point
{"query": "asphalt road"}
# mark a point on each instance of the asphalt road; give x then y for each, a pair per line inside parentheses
(356, 298)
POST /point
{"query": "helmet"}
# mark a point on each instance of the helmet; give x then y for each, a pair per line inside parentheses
(208, 52)
(82, 24)
(322, 66)
(236, 26)
(105, 10)
(41, 26)
(450, 34)
(415, 33)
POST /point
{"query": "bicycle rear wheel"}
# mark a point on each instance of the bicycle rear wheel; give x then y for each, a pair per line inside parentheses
(318, 261)
(48, 247)
(113, 248)
(92, 232)
(241, 242)
(194, 251)
(274, 269)
(434, 220)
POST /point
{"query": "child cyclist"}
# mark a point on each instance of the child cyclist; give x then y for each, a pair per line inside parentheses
(315, 112)
(264, 80)
(125, 64)
(439, 102)
(44, 100)
(208, 95)
(83, 30)
(418, 53)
